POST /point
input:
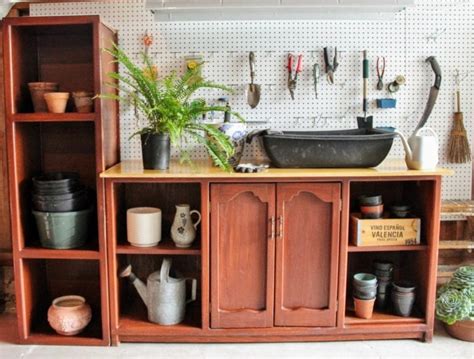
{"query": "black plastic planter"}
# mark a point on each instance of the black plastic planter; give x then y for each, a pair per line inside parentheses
(156, 151)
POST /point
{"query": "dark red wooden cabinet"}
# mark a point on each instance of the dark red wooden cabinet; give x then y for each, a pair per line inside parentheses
(252, 289)
(306, 259)
(242, 255)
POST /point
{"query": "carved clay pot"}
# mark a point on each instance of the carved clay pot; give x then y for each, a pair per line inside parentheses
(183, 230)
(69, 315)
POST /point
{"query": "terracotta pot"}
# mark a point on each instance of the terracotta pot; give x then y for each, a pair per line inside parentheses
(372, 212)
(56, 101)
(462, 330)
(83, 101)
(364, 308)
(69, 315)
(38, 90)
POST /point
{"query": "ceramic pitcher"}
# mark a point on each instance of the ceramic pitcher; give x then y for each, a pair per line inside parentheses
(183, 230)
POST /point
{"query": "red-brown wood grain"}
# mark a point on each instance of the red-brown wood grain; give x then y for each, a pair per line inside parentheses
(242, 255)
(65, 50)
(307, 246)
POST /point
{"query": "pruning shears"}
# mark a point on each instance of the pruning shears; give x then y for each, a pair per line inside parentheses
(293, 72)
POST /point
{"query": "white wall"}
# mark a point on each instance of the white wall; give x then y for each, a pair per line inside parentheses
(225, 45)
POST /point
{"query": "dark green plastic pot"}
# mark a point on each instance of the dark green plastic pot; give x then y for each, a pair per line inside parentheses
(63, 230)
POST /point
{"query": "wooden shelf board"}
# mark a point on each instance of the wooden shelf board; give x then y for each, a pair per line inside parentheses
(135, 322)
(420, 247)
(88, 252)
(165, 247)
(380, 318)
(54, 117)
(44, 334)
(456, 245)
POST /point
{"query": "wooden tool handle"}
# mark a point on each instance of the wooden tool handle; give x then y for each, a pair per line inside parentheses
(458, 101)
(458, 116)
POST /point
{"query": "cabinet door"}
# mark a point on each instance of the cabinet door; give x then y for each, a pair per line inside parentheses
(307, 254)
(242, 255)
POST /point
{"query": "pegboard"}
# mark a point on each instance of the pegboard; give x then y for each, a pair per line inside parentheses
(441, 27)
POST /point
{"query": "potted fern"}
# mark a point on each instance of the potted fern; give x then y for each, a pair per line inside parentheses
(172, 112)
(455, 304)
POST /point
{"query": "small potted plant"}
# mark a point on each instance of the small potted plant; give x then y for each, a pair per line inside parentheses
(455, 304)
(172, 112)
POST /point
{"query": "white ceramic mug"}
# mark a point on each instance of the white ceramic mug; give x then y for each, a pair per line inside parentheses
(144, 226)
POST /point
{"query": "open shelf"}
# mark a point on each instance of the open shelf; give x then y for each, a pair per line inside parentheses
(135, 322)
(133, 318)
(165, 247)
(48, 279)
(88, 252)
(164, 196)
(380, 318)
(55, 53)
(352, 248)
(54, 117)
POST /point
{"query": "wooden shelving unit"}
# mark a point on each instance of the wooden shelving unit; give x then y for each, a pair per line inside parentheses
(242, 252)
(65, 50)
(456, 238)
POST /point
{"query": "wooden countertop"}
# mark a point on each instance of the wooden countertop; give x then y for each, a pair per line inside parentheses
(205, 170)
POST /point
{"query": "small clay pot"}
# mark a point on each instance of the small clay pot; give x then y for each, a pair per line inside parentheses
(56, 101)
(37, 92)
(372, 212)
(83, 101)
(364, 308)
(365, 200)
(69, 315)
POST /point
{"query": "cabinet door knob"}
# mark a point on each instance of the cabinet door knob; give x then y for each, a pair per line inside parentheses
(272, 235)
(280, 225)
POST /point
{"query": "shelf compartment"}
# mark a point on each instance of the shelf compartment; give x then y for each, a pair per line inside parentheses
(54, 117)
(47, 279)
(133, 312)
(165, 247)
(417, 193)
(352, 248)
(164, 196)
(53, 53)
(51, 147)
(408, 265)
(380, 318)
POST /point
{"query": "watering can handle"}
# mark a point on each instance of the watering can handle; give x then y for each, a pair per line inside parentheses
(195, 224)
(193, 290)
(165, 270)
(429, 129)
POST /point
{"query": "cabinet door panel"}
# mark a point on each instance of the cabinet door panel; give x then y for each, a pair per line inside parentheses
(307, 253)
(242, 260)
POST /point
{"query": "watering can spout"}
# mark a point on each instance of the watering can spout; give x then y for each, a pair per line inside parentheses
(139, 285)
(406, 146)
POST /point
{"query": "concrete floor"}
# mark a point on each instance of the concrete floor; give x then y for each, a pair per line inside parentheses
(442, 347)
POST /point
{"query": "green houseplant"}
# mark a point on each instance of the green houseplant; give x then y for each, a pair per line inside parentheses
(172, 112)
(455, 304)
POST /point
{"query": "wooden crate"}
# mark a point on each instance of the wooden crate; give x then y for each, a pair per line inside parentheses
(384, 231)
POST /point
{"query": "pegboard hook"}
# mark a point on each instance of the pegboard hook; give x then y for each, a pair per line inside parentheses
(460, 77)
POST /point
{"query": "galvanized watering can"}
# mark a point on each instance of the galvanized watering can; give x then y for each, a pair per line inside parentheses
(164, 296)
